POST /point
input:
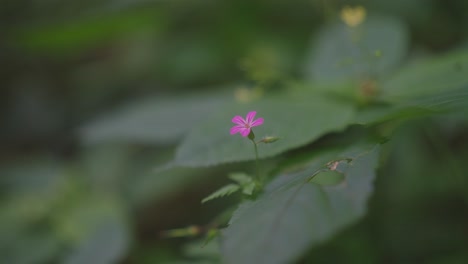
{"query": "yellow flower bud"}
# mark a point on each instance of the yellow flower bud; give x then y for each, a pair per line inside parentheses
(353, 16)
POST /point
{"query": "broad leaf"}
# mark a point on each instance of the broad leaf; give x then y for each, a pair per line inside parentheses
(99, 233)
(297, 122)
(428, 77)
(151, 120)
(373, 114)
(439, 83)
(328, 178)
(424, 88)
(295, 214)
(375, 47)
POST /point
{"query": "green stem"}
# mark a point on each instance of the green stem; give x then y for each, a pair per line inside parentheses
(256, 161)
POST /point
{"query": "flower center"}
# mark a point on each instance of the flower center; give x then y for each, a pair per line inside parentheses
(247, 126)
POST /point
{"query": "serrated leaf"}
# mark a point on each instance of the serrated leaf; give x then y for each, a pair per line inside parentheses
(294, 214)
(297, 122)
(224, 191)
(246, 182)
(240, 178)
(341, 53)
(151, 120)
(249, 188)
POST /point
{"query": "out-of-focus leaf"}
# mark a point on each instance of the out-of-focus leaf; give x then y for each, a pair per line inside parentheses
(29, 247)
(424, 88)
(373, 114)
(152, 120)
(31, 189)
(149, 185)
(203, 249)
(223, 191)
(375, 47)
(297, 122)
(297, 214)
(82, 34)
(438, 83)
(105, 164)
(190, 60)
(98, 232)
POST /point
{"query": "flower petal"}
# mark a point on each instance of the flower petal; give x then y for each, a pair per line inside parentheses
(257, 122)
(245, 131)
(236, 129)
(238, 120)
(250, 116)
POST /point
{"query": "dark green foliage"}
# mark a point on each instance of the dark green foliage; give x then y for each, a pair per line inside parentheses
(116, 117)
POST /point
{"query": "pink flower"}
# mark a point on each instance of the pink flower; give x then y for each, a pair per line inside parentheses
(243, 126)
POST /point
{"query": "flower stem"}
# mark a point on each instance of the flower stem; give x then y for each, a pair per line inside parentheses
(256, 161)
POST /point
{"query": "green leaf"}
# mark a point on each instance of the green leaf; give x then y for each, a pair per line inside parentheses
(294, 214)
(434, 77)
(30, 247)
(341, 53)
(328, 178)
(424, 88)
(240, 178)
(249, 188)
(223, 191)
(98, 232)
(77, 35)
(297, 122)
(201, 251)
(439, 84)
(160, 120)
(373, 114)
(210, 235)
(247, 183)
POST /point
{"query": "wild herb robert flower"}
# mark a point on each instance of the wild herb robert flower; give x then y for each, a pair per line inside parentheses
(243, 126)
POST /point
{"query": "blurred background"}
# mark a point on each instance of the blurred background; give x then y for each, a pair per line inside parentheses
(96, 95)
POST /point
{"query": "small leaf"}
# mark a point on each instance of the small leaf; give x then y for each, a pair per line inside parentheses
(223, 191)
(189, 231)
(210, 235)
(240, 178)
(248, 189)
(247, 183)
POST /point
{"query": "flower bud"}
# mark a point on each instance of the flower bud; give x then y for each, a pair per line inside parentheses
(268, 140)
(251, 135)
